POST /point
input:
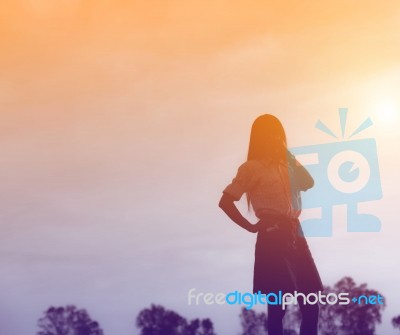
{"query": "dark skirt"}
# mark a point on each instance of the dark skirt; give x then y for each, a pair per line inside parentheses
(283, 261)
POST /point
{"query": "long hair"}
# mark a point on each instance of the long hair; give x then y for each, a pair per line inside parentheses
(267, 141)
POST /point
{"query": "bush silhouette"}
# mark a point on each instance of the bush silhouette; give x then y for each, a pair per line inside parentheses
(66, 321)
(156, 320)
(349, 319)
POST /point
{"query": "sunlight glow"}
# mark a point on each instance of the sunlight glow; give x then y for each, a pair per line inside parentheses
(387, 111)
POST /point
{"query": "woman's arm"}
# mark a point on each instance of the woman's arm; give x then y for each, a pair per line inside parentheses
(303, 178)
(227, 205)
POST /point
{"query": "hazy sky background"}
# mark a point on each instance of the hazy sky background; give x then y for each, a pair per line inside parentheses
(122, 121)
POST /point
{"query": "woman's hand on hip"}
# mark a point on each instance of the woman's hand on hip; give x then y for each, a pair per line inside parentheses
(255, 228)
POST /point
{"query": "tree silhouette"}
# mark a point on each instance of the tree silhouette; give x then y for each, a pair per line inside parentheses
(156, 320)
(396, 322)
(67, 321)
(352, 318)
(200, 327)
(253, 323)
(292, 320)
(349, 319)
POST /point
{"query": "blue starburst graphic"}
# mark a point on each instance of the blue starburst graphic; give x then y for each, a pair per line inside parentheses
(346, 172)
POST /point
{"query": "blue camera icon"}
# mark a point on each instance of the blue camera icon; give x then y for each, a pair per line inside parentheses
(345, 172)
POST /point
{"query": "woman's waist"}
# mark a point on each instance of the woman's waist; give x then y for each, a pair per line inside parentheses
(277, 221)
(277, 202)
(269, 215)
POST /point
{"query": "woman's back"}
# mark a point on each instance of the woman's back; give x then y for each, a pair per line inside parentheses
(272, 186)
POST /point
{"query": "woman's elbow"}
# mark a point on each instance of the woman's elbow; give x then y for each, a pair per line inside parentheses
(222, 202)
(225, 201)
(309, 184)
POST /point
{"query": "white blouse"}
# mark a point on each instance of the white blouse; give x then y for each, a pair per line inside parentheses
(273, 187)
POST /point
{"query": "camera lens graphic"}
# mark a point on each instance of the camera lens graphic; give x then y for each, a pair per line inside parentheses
(348, 171)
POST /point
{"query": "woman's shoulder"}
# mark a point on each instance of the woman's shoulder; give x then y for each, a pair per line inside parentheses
(254, 164)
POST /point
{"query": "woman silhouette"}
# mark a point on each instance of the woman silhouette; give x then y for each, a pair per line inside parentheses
(272, 180)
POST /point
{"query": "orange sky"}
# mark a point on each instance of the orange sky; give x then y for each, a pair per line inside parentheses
(111, 109)
(74, 52)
